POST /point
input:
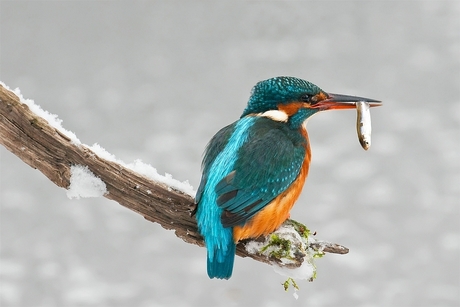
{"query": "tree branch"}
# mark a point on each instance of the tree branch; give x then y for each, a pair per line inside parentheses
(52, 152)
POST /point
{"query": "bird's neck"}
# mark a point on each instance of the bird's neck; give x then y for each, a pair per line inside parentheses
(296, 120)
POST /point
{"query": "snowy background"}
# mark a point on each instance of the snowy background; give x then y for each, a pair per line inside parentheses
(155, 80)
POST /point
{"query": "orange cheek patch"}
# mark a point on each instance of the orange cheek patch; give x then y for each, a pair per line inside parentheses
(291, 108)
(321, 96)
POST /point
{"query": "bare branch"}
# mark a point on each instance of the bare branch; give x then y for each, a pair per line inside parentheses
(47, 149)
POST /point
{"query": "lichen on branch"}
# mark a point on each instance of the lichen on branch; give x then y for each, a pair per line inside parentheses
(38, 139)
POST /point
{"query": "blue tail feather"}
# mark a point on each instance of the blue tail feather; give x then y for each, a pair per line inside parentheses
(218, 163)
(221, 264)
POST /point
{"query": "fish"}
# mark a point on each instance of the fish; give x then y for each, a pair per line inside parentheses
(363, 124)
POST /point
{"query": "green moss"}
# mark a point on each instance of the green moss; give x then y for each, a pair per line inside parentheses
(282, 247)
(289, 282)
(301, 229)
(318, 254)
(314, 275)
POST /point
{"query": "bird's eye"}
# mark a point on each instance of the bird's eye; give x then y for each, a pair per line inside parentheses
(306, 98)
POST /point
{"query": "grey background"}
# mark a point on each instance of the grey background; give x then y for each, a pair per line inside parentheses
(155, 80)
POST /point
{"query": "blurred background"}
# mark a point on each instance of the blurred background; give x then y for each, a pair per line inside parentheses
(154, 80)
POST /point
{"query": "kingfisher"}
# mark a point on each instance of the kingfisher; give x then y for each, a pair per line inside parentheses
(254, 169)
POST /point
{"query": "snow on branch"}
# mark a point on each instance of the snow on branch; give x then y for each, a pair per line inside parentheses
(38, 139)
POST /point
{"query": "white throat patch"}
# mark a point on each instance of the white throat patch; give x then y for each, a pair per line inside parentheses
(276, 115)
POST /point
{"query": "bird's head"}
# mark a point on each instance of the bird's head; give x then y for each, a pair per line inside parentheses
(293, 100)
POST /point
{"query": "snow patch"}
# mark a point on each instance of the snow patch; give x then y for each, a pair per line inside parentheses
(296, 296)
(52, 119)
(78, 189)
(146, 170)
(254, 247)
(150, 172)
(305, 271)
(102, 153)
(298, 244)
(83, 183)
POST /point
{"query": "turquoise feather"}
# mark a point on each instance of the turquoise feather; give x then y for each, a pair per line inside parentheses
(219, 239)
(247, 164)
(267, 94)
(267, 164)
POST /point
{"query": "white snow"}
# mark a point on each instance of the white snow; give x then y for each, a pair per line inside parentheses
(102, 153)
(52, 119)
(146, 170)
(254, 247)
(306, 271)
(83, 183)
(150, 172)
(138, 166)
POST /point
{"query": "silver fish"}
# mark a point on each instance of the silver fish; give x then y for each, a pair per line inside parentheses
(363, 124)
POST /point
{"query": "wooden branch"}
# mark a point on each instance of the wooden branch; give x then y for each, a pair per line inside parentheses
(43, 147)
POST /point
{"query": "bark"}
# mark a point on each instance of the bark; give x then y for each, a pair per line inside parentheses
(49, 150)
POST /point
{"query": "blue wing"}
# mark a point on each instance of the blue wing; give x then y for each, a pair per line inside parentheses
(266, 165)
(214, 147)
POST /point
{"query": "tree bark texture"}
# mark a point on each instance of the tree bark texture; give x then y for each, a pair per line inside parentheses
(43, 147)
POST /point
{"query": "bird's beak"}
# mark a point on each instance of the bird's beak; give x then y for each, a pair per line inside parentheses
(340, 102)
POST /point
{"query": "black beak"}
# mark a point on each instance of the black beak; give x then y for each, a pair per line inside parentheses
(339, 101)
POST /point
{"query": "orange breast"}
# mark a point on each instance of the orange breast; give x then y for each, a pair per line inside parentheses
(276, 212)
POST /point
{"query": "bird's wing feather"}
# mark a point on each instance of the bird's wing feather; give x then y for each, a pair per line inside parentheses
(266, 165)
(214, 147)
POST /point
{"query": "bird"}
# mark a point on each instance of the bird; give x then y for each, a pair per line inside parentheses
(254, 169)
